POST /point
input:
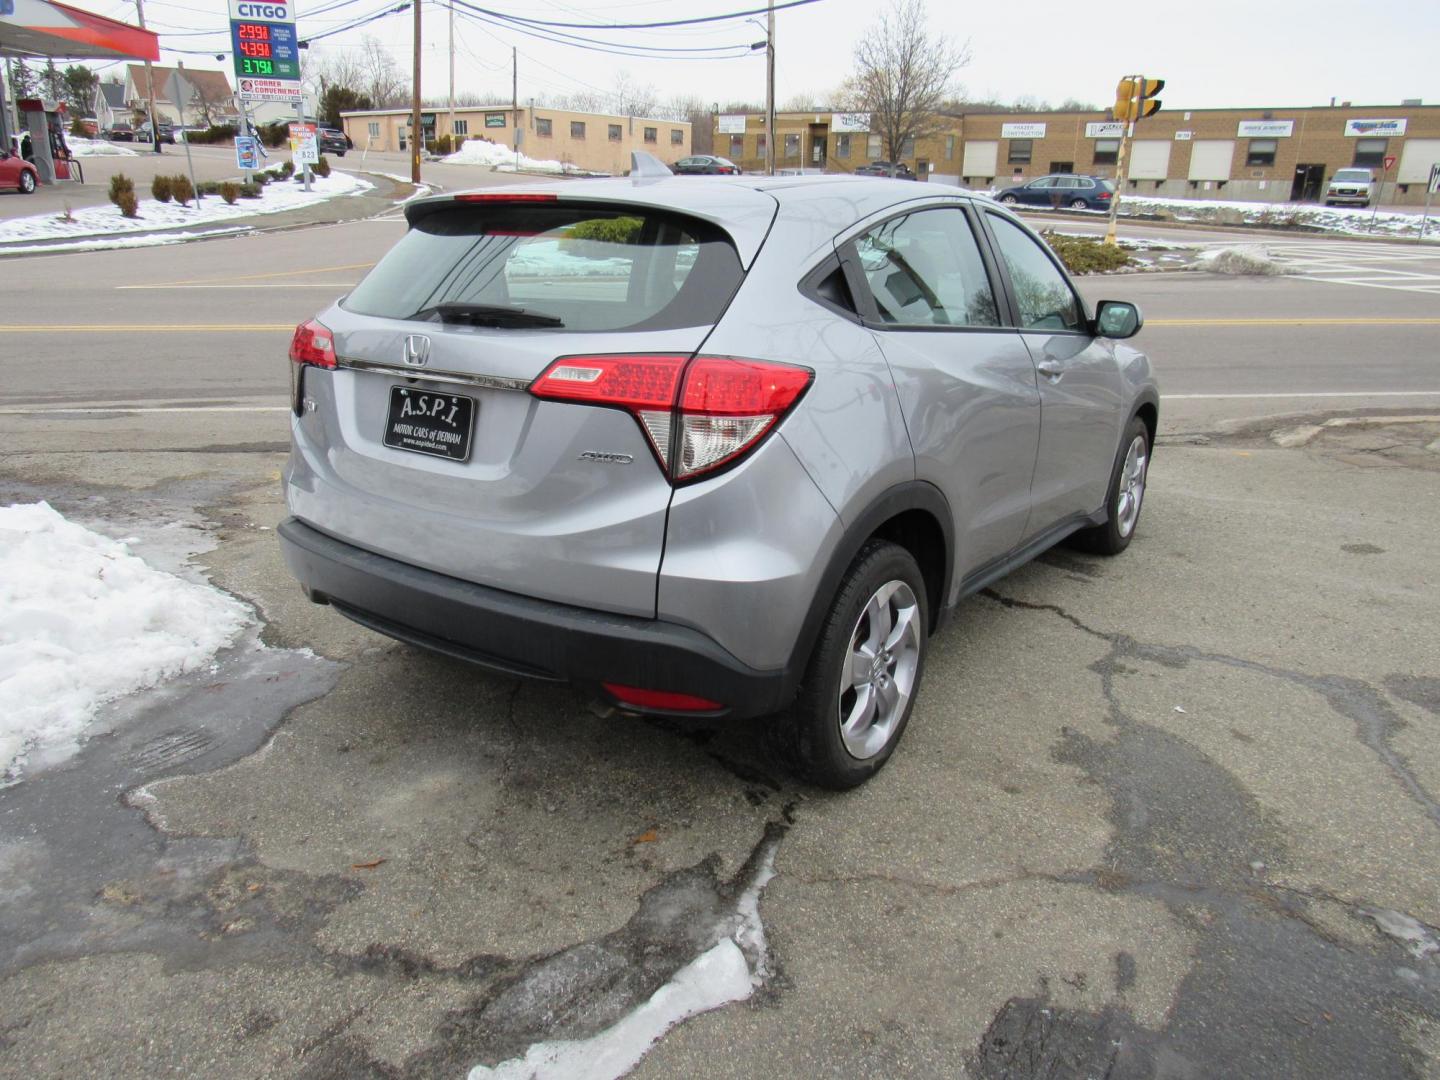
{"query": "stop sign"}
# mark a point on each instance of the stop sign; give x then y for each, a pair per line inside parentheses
(1389, 163)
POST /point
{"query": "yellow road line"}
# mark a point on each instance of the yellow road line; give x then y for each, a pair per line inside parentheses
(1299, 321)
(253, 277)
(146, 328)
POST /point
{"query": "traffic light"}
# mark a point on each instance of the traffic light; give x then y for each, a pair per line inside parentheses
(1135, 98)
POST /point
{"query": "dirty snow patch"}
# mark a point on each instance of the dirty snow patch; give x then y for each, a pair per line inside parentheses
(98, 148)
(82, 622)
(503, 159)
(107, 221)
(1240, 262)
(1419, 939)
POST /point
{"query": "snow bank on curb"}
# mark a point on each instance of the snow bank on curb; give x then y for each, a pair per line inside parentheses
(108, 221)
(98, 148)
(1239, 262)
(143, 240)
(1335, 219)
(83, 621)
(502, 158)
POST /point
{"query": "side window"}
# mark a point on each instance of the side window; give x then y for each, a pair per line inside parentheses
(1045, 299)
(924, 269)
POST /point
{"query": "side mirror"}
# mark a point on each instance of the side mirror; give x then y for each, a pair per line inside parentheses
(1117, 319)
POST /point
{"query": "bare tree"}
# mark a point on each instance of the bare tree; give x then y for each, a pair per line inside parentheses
(802, 102)
(902, 75)
(336, 67)
(632, 98)
(383, 82)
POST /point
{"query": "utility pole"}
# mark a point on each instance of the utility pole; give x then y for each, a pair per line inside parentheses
(417, 134)
(770, 90)
(149, 81)
(515, 100)
(452, 75)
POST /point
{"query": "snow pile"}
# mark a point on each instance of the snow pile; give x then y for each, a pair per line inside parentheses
(503, 159)
(83, 621)
(108, 221)
(563, 258)
(1239, 261)
(729, 970)
(1335, 219)
(97, 148)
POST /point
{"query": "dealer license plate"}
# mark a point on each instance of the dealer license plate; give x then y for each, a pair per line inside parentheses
(429, 423)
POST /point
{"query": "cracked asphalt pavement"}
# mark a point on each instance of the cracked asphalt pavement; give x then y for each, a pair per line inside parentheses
(1168, 815)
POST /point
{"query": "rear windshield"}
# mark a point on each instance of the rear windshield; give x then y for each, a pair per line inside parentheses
(592, 269)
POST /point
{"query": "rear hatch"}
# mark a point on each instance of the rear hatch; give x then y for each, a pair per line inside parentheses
(423, 443)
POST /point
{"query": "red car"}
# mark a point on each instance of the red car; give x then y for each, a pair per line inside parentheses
(17, 173)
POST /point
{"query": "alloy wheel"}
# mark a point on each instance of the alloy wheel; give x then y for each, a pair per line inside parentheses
(1132, 485)
(878, 678)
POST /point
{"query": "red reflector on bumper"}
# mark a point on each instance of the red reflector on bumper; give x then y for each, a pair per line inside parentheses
(660, 699)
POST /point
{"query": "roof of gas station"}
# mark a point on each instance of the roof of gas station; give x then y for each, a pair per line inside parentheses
(45, 28)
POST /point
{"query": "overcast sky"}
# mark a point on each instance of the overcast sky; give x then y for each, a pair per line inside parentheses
(1212, 54)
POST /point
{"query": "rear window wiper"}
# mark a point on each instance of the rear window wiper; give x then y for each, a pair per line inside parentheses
(487, 315)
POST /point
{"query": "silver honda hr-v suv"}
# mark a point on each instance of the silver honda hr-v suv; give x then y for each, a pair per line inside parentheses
(728, 447)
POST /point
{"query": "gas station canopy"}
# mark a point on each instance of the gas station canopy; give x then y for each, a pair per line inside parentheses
(43, 28)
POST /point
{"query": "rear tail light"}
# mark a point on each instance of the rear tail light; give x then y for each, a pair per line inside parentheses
(312, 344)
(665, 700)
(506, 197)
(1103, 195)
(700, 413)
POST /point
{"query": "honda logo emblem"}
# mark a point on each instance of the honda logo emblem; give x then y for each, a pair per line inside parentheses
(417, 350)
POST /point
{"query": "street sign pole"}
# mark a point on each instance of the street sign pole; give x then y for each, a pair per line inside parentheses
(1430, 189)
(1387, 165)
(178, 87)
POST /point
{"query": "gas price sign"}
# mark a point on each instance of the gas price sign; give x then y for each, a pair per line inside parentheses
(267, 53)
(265, 49)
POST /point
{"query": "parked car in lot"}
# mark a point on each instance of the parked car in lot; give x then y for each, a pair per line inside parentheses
(883, 168)
(1350, 187)
(120, 133)
(706, 165)
(1062, 189)
(16, 173)
(732, 449)
(167, 133)
(333, 141)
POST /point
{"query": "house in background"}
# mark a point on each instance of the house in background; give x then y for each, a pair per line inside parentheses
(211, 101)
(109, 106)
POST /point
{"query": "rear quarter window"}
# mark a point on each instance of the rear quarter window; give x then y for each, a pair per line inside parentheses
(595, 269)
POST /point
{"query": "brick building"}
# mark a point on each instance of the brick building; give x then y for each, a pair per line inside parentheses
(596, 142)
(1261, 154)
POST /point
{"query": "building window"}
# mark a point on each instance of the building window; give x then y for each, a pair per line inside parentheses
(577, 129)
(737, 147)
(542, 126)
(872, 147)
(374, 129)
(494, 119)
(760, 145)
(462, 127)
(677, 137)
(1020, 150)
(842, 146)
(949, 147)
(1106, 151)
(907, 148)
(1062, 166)
(1370, 152)
(1261, 152)
(792, 146)
(652, 134)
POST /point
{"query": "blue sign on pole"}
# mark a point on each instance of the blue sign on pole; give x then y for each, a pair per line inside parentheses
(247, 152)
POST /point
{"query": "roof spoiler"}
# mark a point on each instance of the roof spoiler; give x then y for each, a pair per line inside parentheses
(646, 166)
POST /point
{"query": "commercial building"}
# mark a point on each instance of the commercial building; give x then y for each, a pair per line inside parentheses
(1262, 154)
(596, 142)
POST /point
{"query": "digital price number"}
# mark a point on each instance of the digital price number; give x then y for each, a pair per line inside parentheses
(265, 49)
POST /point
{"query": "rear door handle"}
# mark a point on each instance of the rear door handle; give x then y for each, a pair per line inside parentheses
(1050, 369)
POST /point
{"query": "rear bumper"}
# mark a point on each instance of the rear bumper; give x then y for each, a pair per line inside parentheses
(520, 635)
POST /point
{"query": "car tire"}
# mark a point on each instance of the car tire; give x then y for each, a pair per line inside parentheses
(1009, 200)
(1079, 204)
(880, 611)
(339, 153)
(27, 182)
(1125, 497)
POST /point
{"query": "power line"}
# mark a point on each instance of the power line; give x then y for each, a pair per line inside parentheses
(469, 11)
(645, 25)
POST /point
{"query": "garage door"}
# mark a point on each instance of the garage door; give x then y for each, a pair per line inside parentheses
(980, 158)
(1210, 159)
(1416, 159)
(1150, 160)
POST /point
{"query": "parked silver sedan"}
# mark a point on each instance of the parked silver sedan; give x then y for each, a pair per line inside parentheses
(729, 449)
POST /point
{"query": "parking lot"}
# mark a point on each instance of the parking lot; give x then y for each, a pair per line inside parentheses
(1175, 814)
